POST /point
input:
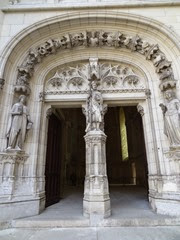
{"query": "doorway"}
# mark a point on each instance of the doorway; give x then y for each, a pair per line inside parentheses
(127, 169)
(65, 157)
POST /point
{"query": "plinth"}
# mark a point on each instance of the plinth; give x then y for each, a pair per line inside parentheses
(96, 200)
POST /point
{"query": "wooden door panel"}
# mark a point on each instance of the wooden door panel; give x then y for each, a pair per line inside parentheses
(53, 161)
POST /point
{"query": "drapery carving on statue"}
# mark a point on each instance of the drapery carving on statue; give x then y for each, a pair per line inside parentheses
(18, 125)
(111, 77)
(97, 39)
(171, 113)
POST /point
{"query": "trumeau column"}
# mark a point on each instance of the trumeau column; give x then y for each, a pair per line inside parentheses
(96, 203)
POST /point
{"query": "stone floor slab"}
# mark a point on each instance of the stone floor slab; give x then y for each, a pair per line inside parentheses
(106, 233)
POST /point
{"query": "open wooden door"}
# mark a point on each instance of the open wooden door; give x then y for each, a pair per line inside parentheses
(53, 161)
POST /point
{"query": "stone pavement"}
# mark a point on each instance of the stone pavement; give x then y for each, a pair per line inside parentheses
(130, 208)
(106, 233)
(132, 219)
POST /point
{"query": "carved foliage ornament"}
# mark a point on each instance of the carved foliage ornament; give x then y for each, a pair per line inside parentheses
(96, 39)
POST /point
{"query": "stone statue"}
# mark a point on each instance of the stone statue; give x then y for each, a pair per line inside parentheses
(171, 112)
(94, 109)
(18, 125)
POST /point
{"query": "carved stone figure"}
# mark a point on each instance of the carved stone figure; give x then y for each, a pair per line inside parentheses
(171, 112)
(94, 71)
(18, 125)
(94, 109)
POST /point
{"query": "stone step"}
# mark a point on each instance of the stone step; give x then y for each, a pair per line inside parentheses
(123, 222)
(49, 223)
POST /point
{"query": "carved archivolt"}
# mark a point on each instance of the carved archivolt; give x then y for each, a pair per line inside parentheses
(95, 39)
(112, 77)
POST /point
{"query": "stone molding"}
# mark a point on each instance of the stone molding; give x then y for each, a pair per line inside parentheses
(61, 5)
(96, 39)
(43, 95)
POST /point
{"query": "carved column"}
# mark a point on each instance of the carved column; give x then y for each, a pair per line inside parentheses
(96, 204)
(96, 192)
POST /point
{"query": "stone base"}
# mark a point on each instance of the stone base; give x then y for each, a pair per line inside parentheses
(97, 210)
(165, 206)
(19, 209)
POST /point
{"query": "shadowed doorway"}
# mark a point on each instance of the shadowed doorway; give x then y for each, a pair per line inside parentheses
(65, 157)
(126, 156)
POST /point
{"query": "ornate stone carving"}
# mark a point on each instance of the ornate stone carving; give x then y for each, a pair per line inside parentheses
(2, 81)
(119, 76)
(97, 39)
(12, 2)
(140, 110)
(11, 168)
(110, 76)
(94, 109)
(18, 125)
(148, 93)
(171, 113)
(70, 78)
(79, 39)
(96, 191)
(41, 96)
(49, 112)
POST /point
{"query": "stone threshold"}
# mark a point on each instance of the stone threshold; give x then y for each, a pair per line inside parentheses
(124, 222)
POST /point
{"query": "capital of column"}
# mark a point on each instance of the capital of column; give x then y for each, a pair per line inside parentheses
(95, 136)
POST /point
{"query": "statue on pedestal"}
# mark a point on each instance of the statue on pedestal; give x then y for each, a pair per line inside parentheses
(18, 125)
(94, 109)
(171, 112)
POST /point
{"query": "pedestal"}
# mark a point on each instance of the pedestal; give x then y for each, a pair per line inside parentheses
(11, 168)
(96, 203)
(166, 198)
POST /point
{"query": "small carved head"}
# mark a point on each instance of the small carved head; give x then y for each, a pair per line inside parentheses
(169, 94)
(22, 99)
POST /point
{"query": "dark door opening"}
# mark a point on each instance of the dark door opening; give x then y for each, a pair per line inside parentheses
(65, 158)
(53, 161)
(126, 154)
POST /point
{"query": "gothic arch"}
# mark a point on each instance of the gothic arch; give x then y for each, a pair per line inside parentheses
(33, 32)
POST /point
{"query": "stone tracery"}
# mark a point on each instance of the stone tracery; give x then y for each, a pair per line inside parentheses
(112, 77)
(118, 40)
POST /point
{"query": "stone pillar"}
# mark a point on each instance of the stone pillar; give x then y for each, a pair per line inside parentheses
(96, 204)
(96, 190)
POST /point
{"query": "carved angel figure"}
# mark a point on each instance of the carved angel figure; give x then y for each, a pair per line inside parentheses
(171, 112)
(18, 125)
